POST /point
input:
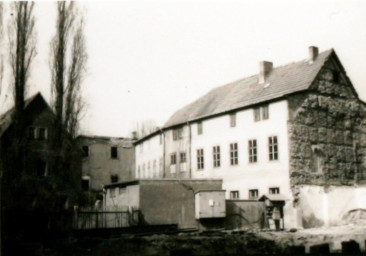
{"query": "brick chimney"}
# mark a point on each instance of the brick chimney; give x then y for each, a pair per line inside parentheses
(265, 68)
(313, 53)
(134, 135)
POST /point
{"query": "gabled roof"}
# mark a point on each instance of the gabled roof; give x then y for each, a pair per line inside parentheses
(6, 118)
(282, 80)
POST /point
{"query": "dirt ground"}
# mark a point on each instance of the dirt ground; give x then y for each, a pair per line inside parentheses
(334, 236)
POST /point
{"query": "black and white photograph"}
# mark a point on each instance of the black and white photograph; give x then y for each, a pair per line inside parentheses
(182, 127)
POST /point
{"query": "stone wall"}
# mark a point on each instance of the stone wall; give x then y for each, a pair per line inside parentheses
(327, 132)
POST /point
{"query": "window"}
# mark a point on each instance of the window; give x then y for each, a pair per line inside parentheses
(42, 133)
(252, 151)
(199, 128)
(257, 114)
(274, 190)
(234, 194)
(265, 112)
(85, 183)
(234, 153)
(273, 148)
(216, 156)
(85, 150)
(261, 113)
(336, 76)
(143, 171)
(253, 194)
(317, 159)
(173, 159)
(182, 157)
(160, 139)
(178, 133)
(31, 133)
(138, 172)
(200, 159)
(114, 178)
(114, 152)
(233, 120)
(42, 168)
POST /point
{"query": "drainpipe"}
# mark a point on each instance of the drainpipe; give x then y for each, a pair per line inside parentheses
(163, 134)
(190, 149)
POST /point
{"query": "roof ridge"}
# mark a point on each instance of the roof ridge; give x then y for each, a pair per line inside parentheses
(284, 79)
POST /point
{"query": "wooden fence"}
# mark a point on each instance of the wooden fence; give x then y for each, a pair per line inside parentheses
(105, 219)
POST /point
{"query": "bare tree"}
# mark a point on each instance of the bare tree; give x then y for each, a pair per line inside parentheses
(68, 69)
(144, 128)
(22, 42)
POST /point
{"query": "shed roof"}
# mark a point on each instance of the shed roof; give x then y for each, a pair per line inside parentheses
(282, 80)
(274, 197)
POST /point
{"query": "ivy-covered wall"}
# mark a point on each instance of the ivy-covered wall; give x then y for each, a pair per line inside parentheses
(327, 131)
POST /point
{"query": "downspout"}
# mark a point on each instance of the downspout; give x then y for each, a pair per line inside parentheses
(163, 135)
(190, 149)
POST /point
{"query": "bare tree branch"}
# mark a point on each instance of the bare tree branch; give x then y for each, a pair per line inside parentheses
(144, 128)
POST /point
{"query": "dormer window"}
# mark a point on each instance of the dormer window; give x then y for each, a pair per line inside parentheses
(261, 113)
(199, 128)
(178, 133)
(233, 120)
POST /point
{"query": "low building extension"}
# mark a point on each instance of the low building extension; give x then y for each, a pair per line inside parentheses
(188, 204)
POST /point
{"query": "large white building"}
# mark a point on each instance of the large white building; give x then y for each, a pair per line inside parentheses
(287, 128)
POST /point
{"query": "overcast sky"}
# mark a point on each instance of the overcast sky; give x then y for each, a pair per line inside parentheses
(147, 59)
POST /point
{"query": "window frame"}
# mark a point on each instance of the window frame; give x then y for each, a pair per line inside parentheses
(182, 157)
(83, 181)
(257, 114)
(177, 133)
(200, 159)
(216, 153)
(44, 135)
(253, 194)
(199, 128)
(234, 194)
(233, 119)
(85, 153)
(114, 178)
(265, 112)
(31, 136)
(252, 150)
(274, 189)
(273, 148)
(261, 113)
(114, 155)
(173, 158)
(234, 154)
